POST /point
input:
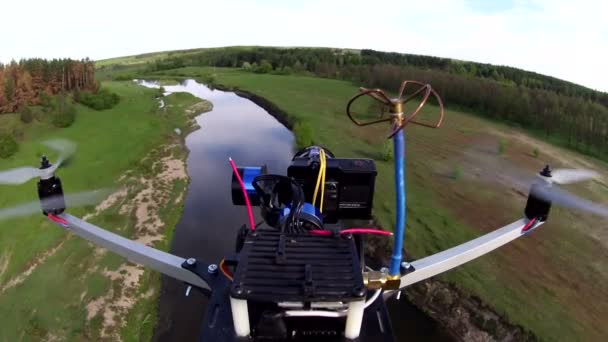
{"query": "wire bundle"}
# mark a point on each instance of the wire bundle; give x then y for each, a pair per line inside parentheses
(320, 180)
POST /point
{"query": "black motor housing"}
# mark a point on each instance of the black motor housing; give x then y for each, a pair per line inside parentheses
(537, 207)
(50, 192)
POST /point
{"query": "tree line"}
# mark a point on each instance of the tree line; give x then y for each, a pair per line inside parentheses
(26, 82)
(571, 114)
(300, 59)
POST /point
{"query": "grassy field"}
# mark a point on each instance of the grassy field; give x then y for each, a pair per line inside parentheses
(553, 282)
(54, 286)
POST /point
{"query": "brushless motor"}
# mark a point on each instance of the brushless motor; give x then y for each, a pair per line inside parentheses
(50, 191)
(537, 207)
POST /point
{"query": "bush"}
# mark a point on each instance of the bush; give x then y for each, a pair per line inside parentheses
(8, 146)
(536, 152)
(304, 134)
(457, 173)
(124, 77)
(64, 117)
(103, 99)
(502, 146)
(46, 102)
(26, 115)
(283, 71)
(264, 68)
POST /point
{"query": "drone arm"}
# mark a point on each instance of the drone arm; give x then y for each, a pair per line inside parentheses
(155, 259)
(456, 256)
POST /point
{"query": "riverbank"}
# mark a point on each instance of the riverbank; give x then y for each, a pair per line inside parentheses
(57, 287)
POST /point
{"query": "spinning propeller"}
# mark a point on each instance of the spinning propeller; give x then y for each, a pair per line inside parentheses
(52, 200)
(547, 191)
(544, 185)
(79, 199)
(65, 148)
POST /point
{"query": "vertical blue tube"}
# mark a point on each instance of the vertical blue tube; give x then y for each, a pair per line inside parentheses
(399, 150)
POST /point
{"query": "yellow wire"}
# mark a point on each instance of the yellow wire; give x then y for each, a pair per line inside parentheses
(314, 197)
(324, 167)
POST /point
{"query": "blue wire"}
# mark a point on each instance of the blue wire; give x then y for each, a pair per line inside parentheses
(399, 150)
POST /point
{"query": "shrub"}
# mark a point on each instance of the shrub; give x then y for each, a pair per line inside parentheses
(387, 150)
(103, 99)
(246, 66)
(304, 134)
(8, 146)
(536, 152)
(125, 77)
(64, 117)
(26, 115)
(46, 102)
(209, 79)
(264, 68)
(283, 71)
(502, 146)
(457, 173)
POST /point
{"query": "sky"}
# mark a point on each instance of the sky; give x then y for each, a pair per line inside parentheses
(562, 38)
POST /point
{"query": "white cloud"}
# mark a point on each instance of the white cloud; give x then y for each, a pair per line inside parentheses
(565, 39)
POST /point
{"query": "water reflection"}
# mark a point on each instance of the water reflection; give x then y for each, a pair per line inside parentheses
(237, 128)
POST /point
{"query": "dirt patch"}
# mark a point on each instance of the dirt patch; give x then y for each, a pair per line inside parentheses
(562, 156)
(32, 267)
(108, 203)
(199, 107)
(154, 194)
(116, 303)
(148, 195)
(4, 259)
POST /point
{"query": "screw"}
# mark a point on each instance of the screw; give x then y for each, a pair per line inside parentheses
(406, 265)
(238, 289)
(191, 261)
(188, 291)
(384, 270)
(212, 269)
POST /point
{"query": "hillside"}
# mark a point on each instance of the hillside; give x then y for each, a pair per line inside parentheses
(562, 112)
(54, 286)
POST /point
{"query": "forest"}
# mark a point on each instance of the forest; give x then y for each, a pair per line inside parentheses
(26, 82)
(561, 111)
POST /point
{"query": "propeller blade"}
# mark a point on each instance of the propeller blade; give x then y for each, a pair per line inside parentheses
(72, 201)
(22, 210)
(566, 199)
(568, 176)
(64, 147)
(484, 164)
(20, 175)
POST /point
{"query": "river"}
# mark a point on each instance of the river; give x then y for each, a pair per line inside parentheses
(237, 128)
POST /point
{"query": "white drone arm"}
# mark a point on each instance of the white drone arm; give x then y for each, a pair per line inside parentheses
(136, 252)
(443, 261)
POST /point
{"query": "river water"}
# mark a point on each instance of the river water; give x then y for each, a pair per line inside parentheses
(237, 128)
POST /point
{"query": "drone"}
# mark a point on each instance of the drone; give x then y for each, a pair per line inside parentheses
(303, 275)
